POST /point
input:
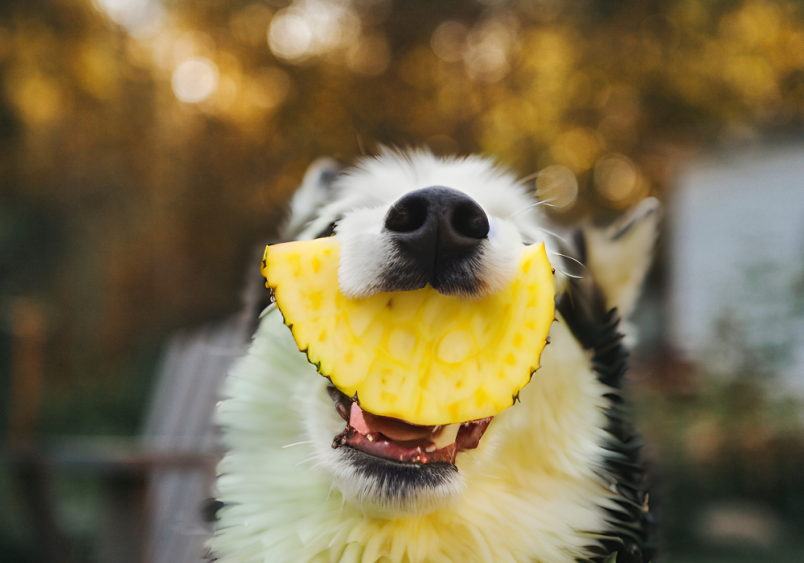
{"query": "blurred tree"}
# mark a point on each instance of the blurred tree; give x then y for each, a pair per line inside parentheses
(148, 144)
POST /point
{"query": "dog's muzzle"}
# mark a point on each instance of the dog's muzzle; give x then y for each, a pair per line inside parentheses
(437, 235)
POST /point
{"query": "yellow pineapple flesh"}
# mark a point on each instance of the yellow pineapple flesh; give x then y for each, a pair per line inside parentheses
(419, 356)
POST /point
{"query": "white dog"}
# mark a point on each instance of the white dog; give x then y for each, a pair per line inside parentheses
(555, 478)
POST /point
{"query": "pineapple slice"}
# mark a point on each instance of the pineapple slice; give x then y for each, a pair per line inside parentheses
(419, 356)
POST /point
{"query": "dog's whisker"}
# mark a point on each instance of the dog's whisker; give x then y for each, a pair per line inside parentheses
(568, 258)
(529, 177)
(305, 460)
(573, 276)
(552, 234)
(297, 444)
(529, 207)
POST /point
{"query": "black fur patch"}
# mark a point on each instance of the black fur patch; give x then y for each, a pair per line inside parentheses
(632, 532)
(453, 276)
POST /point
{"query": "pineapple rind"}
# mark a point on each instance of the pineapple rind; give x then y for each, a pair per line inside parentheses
(416, 355)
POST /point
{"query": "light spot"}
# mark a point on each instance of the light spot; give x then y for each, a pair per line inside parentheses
(510, 359)
(290, 37)
(142, 18)
(195, 80)
(313, 28)
(616, 178)
(558, 186)
(449, 41)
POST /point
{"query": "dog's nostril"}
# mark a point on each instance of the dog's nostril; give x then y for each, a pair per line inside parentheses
(469, 220)
(406, 215)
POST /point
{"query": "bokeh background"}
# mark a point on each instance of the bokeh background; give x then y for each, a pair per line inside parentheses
(148, 146)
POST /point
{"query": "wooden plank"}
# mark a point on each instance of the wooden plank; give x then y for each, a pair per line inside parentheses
(182, 420)
(155, 493)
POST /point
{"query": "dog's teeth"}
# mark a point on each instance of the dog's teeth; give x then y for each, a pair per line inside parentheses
(446, 436)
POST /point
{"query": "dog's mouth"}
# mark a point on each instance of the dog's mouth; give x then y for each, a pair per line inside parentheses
(398, 440)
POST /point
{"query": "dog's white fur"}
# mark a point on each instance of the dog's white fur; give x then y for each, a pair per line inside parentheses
(534, 490)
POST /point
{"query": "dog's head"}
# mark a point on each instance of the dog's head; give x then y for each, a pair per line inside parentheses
(533, 483)
(405, 220)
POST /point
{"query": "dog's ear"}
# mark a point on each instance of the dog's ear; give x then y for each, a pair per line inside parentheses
(313, 193)
(620, 255)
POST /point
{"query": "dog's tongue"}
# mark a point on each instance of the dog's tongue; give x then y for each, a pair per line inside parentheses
(417, 356)
(393, 428)
(398, 440)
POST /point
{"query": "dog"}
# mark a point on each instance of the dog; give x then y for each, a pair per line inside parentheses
(554, 478)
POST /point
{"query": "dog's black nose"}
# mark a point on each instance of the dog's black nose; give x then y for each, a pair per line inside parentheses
(438, 232)
(438, 218)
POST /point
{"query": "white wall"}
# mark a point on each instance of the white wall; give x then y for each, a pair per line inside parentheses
(736, 241)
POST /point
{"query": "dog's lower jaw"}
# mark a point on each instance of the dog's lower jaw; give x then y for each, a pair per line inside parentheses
(388, 489)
